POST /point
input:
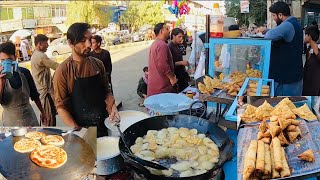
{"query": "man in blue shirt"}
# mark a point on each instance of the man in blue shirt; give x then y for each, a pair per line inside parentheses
(286, 67)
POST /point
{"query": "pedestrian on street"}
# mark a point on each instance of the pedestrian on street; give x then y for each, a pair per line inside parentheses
(41, 73)
(311, 83)
(103, 55)
(286, 66)
(161, 68)
(183, 77)
(15, 92)
(81, 89)
(143, 85)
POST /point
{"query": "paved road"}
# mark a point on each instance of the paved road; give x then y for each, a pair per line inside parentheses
(127, 70)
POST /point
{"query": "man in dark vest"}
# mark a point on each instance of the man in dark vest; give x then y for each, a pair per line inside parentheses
(286, 52)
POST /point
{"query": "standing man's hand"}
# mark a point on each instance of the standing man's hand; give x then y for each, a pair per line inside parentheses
(261, 30)
(44, 119)
(114, 115)
(144, 96)
(184, 63)
(173, 81)
(2, 77)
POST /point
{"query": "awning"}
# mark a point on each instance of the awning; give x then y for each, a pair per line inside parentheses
(63, 28)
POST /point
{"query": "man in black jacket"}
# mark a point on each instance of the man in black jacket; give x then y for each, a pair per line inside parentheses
(143, 85)
(102, 55)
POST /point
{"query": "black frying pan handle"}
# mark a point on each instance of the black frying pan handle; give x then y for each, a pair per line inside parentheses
(202, 104)
(135, 165)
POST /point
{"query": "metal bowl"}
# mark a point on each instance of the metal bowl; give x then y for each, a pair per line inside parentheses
(19, 131)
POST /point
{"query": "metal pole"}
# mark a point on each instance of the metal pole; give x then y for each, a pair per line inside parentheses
(195, 42)
(207, 42)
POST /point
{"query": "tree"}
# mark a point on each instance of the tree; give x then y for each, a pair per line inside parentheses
(88, 11)
(139, 13)
(258, 11)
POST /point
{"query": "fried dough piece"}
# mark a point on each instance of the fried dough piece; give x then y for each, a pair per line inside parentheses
(249, 114)
(260, 135)
(202, 88)
(260, 157)
(263, 127)
(292, 136)
(307, 156)
(275, 173)
(263, 112)
(305, 113)
(291, 128)
(267, 134)
(298, 130)
(283, 139)
(276, 145)
(283, 111)
(274, 118)
(286, 101)
(284, 123)
(266, 140)
(286, 171)
(267, 160)
(274, 130)
(294, 122)
(250, 159)
(207, 81)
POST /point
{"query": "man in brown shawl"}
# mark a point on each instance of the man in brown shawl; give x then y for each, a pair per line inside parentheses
(40, 68)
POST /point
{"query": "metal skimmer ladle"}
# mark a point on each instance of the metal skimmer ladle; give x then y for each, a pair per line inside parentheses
(136, 158)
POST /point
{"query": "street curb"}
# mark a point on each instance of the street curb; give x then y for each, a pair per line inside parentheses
(60, 58)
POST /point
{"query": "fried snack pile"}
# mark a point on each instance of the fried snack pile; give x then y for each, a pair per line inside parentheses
(209, 85)
(237, 79)
(265, 160)
(284, 109)
(195, 153)
(265, 157)
(286, 130)
(252, 89)
(253, 73)
(305, 113)
(253, 114)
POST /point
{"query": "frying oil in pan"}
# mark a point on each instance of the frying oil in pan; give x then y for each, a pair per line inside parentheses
(167, 163)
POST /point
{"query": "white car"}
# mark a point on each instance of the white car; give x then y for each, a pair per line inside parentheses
(57, 47)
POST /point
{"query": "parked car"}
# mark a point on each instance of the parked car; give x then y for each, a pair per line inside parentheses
(124, 36)
(58, 46)
(137, 37)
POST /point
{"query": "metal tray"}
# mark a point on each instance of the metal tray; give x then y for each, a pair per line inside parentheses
(15, 165)
(309, 140)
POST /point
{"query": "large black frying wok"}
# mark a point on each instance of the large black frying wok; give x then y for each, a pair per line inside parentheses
(212, 131)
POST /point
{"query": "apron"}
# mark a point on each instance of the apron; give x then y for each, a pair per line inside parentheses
(49, 109)
(88, 100)
(17, 111)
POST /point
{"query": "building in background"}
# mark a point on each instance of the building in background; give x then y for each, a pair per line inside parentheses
(44, 17)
